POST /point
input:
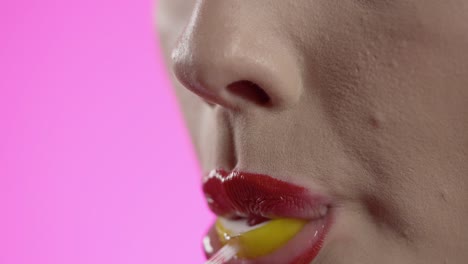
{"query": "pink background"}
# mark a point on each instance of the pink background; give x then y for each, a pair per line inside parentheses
(95, 163)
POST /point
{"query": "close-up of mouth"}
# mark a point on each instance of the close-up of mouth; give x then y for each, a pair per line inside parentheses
(326, 132)
(234, 132)
(268, 220)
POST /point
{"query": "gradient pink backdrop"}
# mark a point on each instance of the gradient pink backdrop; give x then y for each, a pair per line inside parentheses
(95, 163)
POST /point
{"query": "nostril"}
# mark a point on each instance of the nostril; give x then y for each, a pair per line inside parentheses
(249, 91)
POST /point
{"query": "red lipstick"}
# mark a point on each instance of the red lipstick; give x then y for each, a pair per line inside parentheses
(258, 197)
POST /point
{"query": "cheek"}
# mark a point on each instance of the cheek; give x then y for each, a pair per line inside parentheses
(383, 78)
(398, 101)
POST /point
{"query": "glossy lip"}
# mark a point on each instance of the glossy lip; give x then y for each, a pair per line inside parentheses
(256, 196)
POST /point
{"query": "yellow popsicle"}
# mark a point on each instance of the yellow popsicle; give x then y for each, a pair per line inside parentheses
(263, 240)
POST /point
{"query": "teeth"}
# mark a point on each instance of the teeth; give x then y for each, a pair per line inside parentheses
(207, 245)
(237, 227)
(241, 225)
(323, 210)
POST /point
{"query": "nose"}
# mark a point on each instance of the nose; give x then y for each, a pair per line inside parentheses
(231, 55)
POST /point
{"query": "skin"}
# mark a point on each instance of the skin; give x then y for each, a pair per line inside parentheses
(367, 103)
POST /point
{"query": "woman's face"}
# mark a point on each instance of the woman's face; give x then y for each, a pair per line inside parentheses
(365, 101)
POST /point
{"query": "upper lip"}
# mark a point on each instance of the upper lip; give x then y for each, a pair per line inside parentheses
(249, 195)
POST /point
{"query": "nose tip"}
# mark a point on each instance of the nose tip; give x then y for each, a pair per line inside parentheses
(235, 66)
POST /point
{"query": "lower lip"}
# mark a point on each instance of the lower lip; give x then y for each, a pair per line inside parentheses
(302, 249)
